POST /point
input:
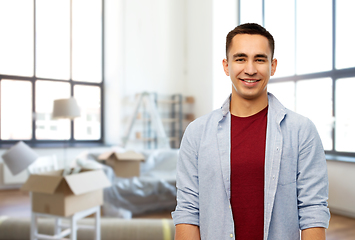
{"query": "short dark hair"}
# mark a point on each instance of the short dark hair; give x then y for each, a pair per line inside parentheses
(250, 28)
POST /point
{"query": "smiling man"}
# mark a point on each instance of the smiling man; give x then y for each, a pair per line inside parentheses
(252, 169)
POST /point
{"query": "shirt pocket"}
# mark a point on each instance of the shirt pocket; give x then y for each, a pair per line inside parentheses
(288, 171)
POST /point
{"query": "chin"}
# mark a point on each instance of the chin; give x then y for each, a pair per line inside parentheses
(252, 96)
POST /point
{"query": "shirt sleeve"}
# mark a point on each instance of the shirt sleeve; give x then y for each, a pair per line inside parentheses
(312, 180)
(187, 209)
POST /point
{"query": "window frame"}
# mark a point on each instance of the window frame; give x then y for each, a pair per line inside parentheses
(71, 141)
(334, 74)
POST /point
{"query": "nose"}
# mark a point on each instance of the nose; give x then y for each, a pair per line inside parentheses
(250, 68)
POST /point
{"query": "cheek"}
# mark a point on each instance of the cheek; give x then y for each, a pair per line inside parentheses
(235, 70)
(265, 71)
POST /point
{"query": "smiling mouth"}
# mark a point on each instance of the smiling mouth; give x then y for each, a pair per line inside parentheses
(250, 80)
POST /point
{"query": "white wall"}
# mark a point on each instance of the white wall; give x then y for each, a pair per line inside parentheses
(199, 79)
(153, 46)
(341, 187)
(114, 69)
(224, 20)
(152, 50)
(207, 25)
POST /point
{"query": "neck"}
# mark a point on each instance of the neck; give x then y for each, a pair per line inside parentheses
(242, 107)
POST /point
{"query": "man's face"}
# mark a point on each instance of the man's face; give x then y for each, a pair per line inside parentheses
(249, 65)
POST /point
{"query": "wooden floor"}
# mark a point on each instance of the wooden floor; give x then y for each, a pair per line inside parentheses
(14, 203)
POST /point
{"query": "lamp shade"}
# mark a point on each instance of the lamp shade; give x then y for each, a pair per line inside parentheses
(19, 157)
(65, 108)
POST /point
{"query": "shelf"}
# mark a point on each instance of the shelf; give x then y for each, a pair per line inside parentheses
(171, 115)
(170, 120)
(168, 101)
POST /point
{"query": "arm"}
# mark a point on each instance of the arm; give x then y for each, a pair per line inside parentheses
(187, 232)
(313, 234)
(312, 181)
(186, 214)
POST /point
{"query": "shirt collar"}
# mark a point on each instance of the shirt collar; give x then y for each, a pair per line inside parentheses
(225, 105)
(273, 102)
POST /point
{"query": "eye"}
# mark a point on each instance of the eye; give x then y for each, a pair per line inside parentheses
(239, 59)
(261, 60)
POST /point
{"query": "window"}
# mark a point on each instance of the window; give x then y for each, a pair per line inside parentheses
(50, 50)
(316, 72)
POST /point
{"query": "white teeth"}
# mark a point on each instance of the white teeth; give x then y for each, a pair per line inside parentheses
(249, 81)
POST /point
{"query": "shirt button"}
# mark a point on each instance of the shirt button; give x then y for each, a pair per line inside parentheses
(230, 206)
(277, 149)
(231, 235)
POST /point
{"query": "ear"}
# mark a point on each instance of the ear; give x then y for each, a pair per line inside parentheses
(225, 66)
(273, 66)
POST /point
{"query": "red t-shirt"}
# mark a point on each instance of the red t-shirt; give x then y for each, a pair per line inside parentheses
(248, 138)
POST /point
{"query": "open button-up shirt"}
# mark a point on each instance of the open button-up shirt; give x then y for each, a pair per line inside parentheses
(296, 181)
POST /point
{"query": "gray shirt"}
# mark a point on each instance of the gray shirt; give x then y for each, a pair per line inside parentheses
(296, 181)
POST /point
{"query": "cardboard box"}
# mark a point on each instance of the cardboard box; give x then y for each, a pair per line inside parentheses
(125, 164)
(54, 194)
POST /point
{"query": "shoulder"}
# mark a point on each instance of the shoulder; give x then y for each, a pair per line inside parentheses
(296, 118)
(298, 122)
(298, 128)
(202, 128)
(211, 119)
(286, 117)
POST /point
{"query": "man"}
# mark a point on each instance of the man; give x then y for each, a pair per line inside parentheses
(252, 169)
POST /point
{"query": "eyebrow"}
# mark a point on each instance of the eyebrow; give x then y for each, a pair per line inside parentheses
(260, 56)
(244, 55)
(239, 55)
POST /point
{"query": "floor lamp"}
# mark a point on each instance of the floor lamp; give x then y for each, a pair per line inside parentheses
(67, 108)
(19, 157)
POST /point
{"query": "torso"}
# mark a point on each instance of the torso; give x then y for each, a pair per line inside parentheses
(248, 138)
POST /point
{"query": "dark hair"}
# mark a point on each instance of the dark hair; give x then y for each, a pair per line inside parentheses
(250, 28)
